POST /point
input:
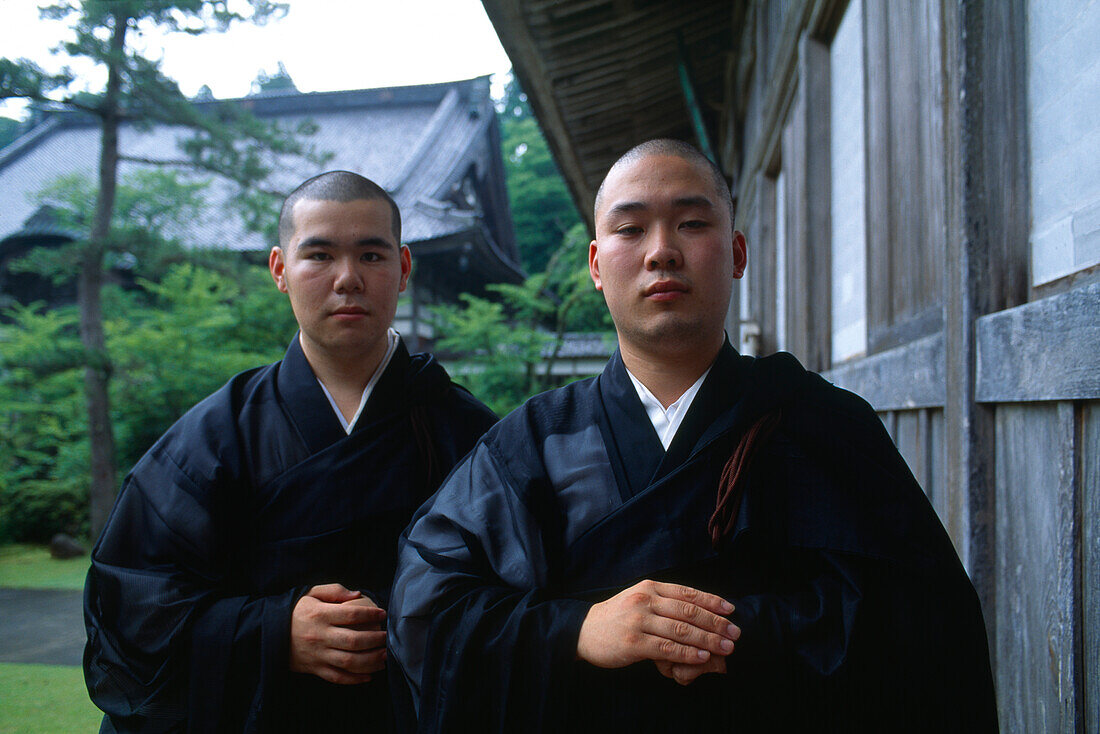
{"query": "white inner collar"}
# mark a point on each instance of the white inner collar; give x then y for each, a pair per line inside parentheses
(666, 421)
(391, 347)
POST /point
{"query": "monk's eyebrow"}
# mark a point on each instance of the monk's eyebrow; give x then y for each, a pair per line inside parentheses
(365, 242)
(680, 202)
(624, 207)
(686, 202)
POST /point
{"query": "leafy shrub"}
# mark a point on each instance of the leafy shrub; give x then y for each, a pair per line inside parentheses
(33, 511)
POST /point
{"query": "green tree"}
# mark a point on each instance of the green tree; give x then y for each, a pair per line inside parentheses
(171, 343)
(542, 210)
(9, 130)
(280, 81)
(175, 341)
(229, 142)
(509, 346)
(44, 424)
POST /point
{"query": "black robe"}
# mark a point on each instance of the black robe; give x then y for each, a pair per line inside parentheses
(856, 614)
(251, 498)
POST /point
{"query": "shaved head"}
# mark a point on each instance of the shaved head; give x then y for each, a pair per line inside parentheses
(679, 149)
(341, 186)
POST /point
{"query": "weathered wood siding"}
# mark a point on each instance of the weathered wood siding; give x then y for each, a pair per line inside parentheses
(990, 388)
(1037, 568)
(905, 147)
(1090, 578)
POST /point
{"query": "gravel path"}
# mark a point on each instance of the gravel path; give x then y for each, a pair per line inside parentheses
(41, 626)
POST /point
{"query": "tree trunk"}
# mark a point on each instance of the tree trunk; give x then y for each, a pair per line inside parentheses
(97, 369)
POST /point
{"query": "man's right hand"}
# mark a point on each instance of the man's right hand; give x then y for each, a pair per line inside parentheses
(657, 621)
(336, 634)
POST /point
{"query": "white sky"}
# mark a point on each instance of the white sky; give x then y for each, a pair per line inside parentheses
(324, 44)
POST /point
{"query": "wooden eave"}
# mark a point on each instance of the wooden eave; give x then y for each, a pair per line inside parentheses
(601, 75)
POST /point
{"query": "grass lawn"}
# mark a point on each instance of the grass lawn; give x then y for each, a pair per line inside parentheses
(45, 698)
(30, 567)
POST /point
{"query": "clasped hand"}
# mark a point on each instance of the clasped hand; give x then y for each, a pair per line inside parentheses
(683, 630)
(336, 634)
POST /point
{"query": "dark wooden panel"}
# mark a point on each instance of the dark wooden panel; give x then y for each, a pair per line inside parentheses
(908, 377)
(876, 54)
(1036, 528)
(762, 258)
(937, 456)
(1090, 545)
(910, 442)
(809, 254)
(1046, 350)
(1002, 140)
(906, 174)
(806, 170)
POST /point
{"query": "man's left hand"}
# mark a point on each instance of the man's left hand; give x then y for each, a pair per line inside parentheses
(685, 673)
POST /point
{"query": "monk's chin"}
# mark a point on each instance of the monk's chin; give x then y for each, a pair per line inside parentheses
(676, 333)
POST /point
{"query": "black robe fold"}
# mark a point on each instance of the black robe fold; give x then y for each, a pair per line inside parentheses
(856, 614)
(251, 498)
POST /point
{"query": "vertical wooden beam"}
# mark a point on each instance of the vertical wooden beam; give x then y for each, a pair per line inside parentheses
(1038, 650)
(879, 179)
(1090, 564)
(806, 171)
(812, 249)
(969, 471)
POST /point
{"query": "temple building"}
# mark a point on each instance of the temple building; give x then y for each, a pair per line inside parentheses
(435, 148)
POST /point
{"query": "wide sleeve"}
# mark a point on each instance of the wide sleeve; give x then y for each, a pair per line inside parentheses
(481, 640)
(171, 645)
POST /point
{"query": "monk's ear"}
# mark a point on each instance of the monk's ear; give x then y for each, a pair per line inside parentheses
(406, 267)
(594, 265)
(277, 265)
(740, 254)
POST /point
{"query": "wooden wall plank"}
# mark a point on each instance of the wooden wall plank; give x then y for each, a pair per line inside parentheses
(906, 172)
(911, 376)
(1036, 528)
(810, 251)
(1090, 562)
(879, 179)
(1043, 350)
(909, 441)
(938, 459)
(1003, 138)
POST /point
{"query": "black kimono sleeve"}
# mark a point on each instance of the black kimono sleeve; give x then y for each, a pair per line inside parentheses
(471, 612)
(168, 642)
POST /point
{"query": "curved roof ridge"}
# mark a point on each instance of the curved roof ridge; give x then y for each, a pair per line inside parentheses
(427, 138)
(27, 140)
(455, 146)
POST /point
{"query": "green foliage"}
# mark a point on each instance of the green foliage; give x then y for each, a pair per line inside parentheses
(500, 359)
(542, 210)
(171, 343)
(151, 205)
(180, 339)
(9, 130)
(43, 469)
(280, 81)
(508, 346)
(226, 141)
(35, 510)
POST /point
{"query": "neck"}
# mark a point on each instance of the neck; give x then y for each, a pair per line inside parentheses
(669, 372)
(346, 373)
